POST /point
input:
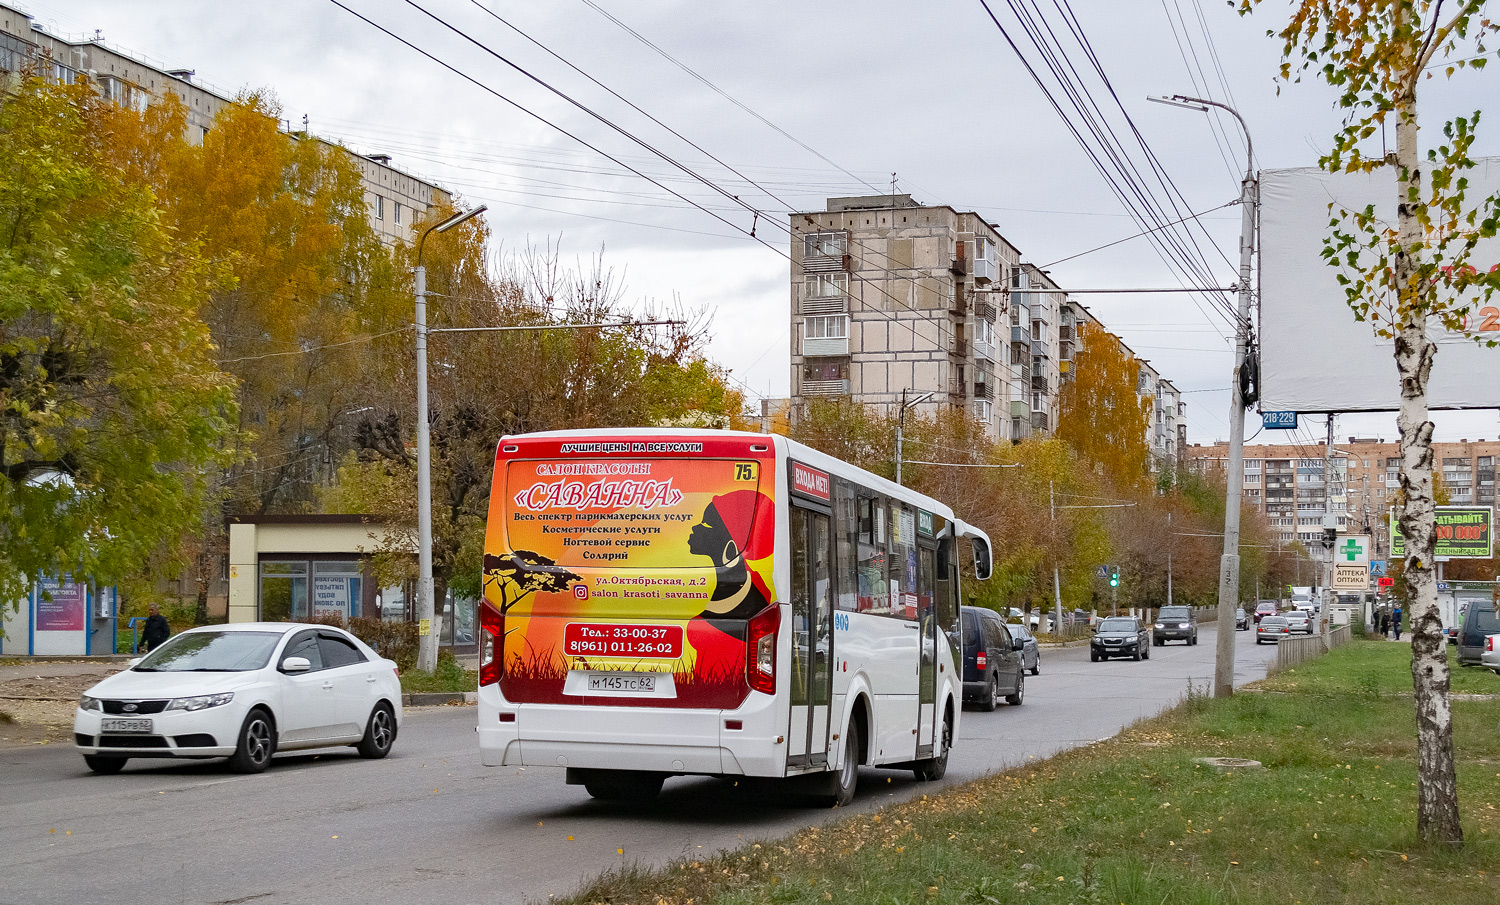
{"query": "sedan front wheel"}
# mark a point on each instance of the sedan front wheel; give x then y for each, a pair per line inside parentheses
(257, 742)
(380, 733)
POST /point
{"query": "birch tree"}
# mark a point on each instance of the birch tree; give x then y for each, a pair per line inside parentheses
(1408, 277)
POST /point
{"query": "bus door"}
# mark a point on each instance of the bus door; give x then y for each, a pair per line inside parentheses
(812, 637)
(927, 670)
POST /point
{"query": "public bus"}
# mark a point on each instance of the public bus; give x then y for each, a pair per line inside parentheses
(664, 602)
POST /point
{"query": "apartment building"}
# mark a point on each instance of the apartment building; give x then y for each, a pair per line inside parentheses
(892, 297)
(1286, 481)
(893, 300)
(394, 197)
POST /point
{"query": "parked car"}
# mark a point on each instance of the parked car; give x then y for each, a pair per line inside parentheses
(1120, 636)
(992, 659)
(1175, 623)
(243, 692)
(1031, 654)
(1018, 615)
(1265, 608)
(1273, 629)
(1451, 632)
(1490, 656)
(1299, 622)
(1241, 620)
(1480, 621)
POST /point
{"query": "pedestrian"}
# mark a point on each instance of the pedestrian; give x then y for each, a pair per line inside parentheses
(1396, 622)
(156, 631)
(1385, 622)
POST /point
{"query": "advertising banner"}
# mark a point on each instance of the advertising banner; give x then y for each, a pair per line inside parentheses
(1351, 563)
(1463, 532)
(644, 566)
(1304, 313)
(61, 606)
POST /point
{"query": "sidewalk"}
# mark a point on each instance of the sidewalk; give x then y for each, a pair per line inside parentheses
(40, 696)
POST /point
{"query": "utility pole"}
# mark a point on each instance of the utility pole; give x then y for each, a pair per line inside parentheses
(901, 424)
(1229, 562)
(1330, 531)
(1169, 557)
(1056, 582)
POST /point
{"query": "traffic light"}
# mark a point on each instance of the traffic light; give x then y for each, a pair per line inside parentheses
(1114, 576)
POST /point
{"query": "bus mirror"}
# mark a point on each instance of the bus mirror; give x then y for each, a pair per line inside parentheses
(981, 557)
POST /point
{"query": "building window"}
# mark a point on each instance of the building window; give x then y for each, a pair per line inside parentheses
(379, 207)
(825, 285)
(825, 370)
(824, 245)
(984, 411)
(984, 331)
(397, 213)
(827, 326)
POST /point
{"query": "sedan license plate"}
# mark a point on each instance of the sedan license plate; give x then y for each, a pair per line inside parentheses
(125, 725)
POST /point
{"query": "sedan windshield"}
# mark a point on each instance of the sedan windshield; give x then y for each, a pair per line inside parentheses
(212, 652)
(1174, 613)
(1117, 625)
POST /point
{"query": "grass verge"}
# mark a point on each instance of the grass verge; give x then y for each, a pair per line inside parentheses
(1136, 819)
(448, 677)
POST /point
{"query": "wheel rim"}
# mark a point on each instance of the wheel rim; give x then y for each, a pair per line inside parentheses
(994, 691)
(1020, 688)
(380, 726)
(851, 765)
(258, 741)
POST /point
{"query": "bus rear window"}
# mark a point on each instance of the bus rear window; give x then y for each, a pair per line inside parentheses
(639, 513)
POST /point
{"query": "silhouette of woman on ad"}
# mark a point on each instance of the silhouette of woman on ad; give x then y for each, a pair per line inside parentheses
(739, 592)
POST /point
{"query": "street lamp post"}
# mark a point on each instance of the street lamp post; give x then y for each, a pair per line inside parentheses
(1229, 563)
(901, 423)
(427, 641)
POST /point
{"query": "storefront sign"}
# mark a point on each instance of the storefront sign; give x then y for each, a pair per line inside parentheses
(331, 597)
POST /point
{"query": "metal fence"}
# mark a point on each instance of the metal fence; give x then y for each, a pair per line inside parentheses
(1292, 651)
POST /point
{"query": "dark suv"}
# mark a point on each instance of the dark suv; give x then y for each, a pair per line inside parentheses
(992, 659)
(1479, 620)
(1120, 636)
(1175, 623)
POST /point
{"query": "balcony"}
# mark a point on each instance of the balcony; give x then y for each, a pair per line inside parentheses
(985, 311)
(1020, 335)
(984, 389)
(985, 270)
(825, 304)
(957, 389)
(985, 350)
(1039, 382)
(825, 388)
(1039, 421)
(959, 349)
(958, 306)
(827, 264)
(959, 266)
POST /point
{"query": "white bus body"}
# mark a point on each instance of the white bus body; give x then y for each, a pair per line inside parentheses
(662, 602)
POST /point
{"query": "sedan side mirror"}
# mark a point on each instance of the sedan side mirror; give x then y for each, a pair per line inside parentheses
(1018, 644)
(296, 664)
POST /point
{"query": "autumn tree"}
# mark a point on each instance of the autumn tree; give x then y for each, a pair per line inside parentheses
(112, 405)
(1404, 277)
(1101, 413)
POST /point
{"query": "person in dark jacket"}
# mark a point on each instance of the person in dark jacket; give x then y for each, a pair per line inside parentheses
(157, 631)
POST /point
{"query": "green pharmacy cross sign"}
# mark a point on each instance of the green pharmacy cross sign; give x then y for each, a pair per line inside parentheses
(1351, 550)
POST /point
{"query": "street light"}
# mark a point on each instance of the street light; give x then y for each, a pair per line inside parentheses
(901, 422)
(427, 642)
(1229, 563)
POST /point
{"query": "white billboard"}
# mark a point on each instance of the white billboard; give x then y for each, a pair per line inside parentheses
(1314, 356)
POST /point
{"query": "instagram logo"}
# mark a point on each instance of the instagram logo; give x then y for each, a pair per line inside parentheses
(581, 591)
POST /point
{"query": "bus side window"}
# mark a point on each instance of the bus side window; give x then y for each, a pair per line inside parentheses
(903, 563)
(873, 595)
(943, 587)
(846, 521)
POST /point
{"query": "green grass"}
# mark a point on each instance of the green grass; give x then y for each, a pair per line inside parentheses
(1136, 820)
(1377, 667)
(448, 677)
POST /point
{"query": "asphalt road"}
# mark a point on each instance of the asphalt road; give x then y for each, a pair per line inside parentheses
(430, 824)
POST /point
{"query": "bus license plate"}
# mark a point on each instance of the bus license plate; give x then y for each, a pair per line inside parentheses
(125, 725)
(622, 683)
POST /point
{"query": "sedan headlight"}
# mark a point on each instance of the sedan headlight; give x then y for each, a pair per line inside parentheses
(1159, 625)
(201, 702)
(1184, 624)
(87, 703)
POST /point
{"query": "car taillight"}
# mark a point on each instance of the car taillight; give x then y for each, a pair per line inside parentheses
(491, 644)
(760, 649)
(980, 659)
(1489, 642)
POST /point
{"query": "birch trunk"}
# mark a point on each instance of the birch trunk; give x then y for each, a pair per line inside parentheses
(1437, 783)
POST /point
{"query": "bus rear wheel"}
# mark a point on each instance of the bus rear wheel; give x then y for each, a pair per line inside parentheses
(623, 785)
(933, 768)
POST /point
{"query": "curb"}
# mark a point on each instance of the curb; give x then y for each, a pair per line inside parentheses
(432, 698)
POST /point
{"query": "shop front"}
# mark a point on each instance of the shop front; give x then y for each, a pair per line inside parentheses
(61, 618)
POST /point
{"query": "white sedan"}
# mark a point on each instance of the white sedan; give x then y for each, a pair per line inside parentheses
(242, 691)
(1489, 657)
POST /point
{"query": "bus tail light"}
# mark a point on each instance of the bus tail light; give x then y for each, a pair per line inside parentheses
(491, 644)
(760, 644)
(980, 659)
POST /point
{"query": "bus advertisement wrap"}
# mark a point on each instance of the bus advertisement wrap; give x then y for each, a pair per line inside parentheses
(646, 567)
(1463, 532)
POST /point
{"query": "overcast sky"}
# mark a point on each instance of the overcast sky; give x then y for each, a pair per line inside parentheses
(931, 93)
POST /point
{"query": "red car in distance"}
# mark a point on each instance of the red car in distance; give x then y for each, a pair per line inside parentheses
(1265, 608)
